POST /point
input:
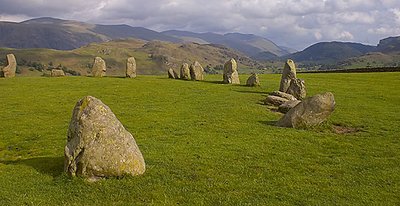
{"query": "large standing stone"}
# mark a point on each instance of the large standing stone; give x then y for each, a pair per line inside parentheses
(57, 73)
(253, 80)
(310, 112)
(231, 75)
(196, 71)
(11, 68)
(297, 88)
(99, 67)
(172, 74)
(131, 67)
(98, 144)
(288, 74)
(185, 71)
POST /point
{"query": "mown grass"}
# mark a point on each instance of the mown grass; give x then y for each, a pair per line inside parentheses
(206, 143)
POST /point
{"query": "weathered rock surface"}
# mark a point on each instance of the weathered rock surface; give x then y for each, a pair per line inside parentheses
(99, 67)
(310, 112)
(275, 100)
(285, 107)
(11, 68)
(185, 71)
(297, 88)
(253, 80)
(196, 71)
(172, 74)
(131, 67)
(288, 74)
(98, 144)
(283, 95)
(57, 73)
(231, 75)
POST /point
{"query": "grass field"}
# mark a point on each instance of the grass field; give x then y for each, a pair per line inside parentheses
(205, 143)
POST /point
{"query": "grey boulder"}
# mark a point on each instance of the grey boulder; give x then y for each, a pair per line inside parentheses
(98, 144)
(310, 112)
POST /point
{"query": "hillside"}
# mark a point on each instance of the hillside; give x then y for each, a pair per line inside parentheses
(389, 45)
(331, 52)
(249, 44)
(61, 34)
(153, 57)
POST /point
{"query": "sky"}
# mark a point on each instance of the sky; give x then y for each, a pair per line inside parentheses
(291, 23)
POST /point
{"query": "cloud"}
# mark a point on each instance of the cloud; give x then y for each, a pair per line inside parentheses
(292, 23)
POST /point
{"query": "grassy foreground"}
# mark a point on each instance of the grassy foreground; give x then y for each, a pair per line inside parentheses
(205, 143)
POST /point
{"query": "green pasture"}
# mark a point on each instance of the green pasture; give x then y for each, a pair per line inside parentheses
(206, 143)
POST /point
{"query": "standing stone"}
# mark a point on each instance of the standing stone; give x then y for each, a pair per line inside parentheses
(288, 74)
(275, 100)
(57, 73)
(231, 75)
(98, 144)
(253, 80)
(131, 67)
(185, 71)
(99, 67)
(285, 107)
(297, 88)
(11, 68)
(172, 74)
(283, 95)
(310, 112)
(196, 71)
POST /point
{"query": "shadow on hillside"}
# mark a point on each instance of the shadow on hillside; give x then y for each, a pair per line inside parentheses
(52, 166)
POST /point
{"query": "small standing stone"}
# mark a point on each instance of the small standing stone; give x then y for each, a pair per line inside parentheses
(231, 75)
(310, 112)
(11, 68)
(185, 71)
(285, 107)
(131, 67)
(275, 100)
(57, 73)
(288, 74)
(283, 95)
(172, 74)
(98, 144)
(196, 71)
(253, 80)
(99, 67)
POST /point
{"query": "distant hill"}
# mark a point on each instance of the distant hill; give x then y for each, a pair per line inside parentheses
(67, 35)
(331, 52)
(61, 34)
(389, 45)
(152, 57)
(249, 44)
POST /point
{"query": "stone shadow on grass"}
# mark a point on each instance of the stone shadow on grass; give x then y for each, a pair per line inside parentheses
(53, 166)
(270, 123)
(251, 92)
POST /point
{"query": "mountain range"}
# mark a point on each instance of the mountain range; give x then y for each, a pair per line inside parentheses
(61, 34)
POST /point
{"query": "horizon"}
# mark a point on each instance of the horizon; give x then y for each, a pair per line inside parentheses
(295, 24)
